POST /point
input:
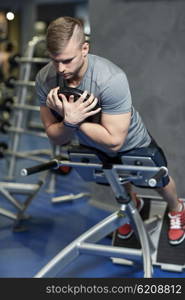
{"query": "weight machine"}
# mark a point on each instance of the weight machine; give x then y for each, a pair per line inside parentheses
(95, 166)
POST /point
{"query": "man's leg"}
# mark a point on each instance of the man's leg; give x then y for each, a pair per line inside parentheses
(169, 194)
(176, 232)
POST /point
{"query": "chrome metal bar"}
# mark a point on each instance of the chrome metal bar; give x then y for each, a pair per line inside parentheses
(26, 107)
(34, 60)
(7, 213)
(140, 231)
(110, 251)
(69, 253)
(21, 94)
(18, 187)
(12, 200)
(25, 131)
(135, 218)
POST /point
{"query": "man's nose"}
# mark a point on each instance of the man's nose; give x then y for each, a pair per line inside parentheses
(60, 67)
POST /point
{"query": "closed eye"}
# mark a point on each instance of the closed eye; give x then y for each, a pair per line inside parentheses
(65, 61)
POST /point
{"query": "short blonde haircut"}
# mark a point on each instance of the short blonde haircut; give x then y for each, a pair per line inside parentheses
(60, 31)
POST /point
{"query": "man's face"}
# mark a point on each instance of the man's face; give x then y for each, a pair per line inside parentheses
(71, 61)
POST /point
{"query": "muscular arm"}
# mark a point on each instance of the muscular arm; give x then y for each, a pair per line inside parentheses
(111, 132)
(56, 131)
(71, 111)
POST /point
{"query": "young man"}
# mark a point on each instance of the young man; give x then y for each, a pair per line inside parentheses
(114, 128)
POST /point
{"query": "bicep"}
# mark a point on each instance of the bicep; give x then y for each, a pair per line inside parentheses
(116, 125)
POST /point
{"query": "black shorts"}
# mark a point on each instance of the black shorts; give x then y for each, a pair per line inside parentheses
(157, 155)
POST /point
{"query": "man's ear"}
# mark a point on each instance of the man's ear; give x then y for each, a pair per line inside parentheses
(85, 48)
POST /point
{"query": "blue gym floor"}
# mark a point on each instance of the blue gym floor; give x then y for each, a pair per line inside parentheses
(52, 226)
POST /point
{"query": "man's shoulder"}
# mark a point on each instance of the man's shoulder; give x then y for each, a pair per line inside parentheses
(46, 73)
(104, 68)
(103, 61)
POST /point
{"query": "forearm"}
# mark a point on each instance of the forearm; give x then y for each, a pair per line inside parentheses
(102, 136)
(59, 133)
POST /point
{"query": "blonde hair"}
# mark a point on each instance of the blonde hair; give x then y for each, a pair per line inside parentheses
(60, 31)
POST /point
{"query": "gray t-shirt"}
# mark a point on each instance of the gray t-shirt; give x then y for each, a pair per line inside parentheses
(109, 84)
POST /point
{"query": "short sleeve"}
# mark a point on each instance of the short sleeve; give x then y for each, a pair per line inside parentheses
(115, 95)
(41, 90)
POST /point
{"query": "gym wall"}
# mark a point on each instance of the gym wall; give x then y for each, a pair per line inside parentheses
(147, 39)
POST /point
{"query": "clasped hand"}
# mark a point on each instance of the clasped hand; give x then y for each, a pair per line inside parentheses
(73, 112)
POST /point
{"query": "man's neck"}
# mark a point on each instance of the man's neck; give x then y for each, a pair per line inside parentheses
(76, 81)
